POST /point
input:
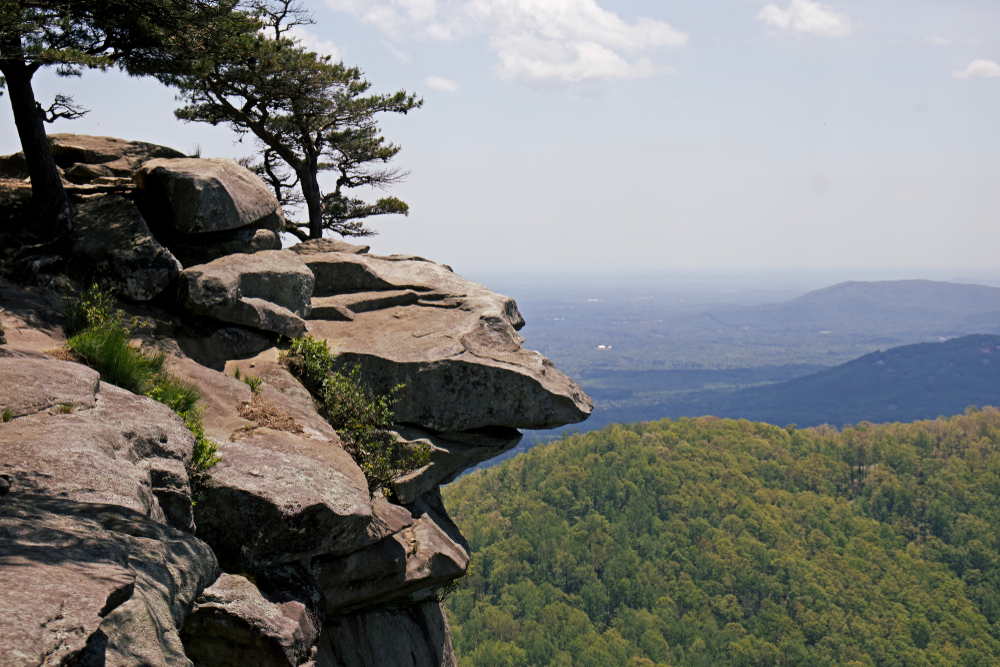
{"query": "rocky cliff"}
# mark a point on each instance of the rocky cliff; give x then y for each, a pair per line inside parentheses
(110, 555)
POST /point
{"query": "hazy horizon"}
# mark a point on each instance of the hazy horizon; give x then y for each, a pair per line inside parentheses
(615, 135)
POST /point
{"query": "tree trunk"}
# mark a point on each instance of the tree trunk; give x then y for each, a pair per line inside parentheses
(314, 200)
(48, 196)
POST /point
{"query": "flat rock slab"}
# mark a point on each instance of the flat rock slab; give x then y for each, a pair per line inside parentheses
(269, 290)
(113, 240)
(70, 149)
(32, 324)
(88, 442)
(450, 341)
(200, 195)
(96, 584)
(319, 246)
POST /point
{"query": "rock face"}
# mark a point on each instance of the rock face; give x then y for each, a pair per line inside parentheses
(325, 245)
(112, 239)
(92, 583)
(200, 195)
(450, 457)
(452, 342)
(86, 158)
(268, 290)
(77, 438)
(90, 567)
(417, 636)
(410, 564)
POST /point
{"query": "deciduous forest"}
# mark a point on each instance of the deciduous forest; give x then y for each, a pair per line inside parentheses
(706, 541)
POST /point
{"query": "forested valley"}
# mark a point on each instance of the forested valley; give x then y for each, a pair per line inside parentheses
(705, 541)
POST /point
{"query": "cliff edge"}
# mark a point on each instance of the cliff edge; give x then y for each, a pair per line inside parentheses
(114, 552)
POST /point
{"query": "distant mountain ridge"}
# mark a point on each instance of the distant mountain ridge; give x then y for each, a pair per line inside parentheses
(894, 307)
(907, 383)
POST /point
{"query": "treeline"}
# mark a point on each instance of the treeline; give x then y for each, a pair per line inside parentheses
(704, 541)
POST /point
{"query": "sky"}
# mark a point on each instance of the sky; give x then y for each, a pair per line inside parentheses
(634, 135)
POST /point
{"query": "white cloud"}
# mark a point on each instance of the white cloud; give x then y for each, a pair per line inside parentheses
(444, 85)
(808, 17)
(940, 41)
(401, 56)
(559, 41)
(313, 43)
(984, 68)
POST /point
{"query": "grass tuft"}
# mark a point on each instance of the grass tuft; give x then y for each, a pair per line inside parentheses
(255, 382)
(102, 340)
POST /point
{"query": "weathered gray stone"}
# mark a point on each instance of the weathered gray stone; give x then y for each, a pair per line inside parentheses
(94, 584)
(59, 576)
(451, 342)
(449, 457)
(114, 241)
(93, 443)
(172, 488)
(207, 195)
(32, 324)
(276, 497)
(234, 625)
(121, 156)
(416, 636)
(413, 562)
(225, 343)
(268, 290)
(192, 249)
(29, 386)
(319, 246)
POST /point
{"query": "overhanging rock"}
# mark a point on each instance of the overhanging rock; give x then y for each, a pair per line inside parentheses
(452, 342)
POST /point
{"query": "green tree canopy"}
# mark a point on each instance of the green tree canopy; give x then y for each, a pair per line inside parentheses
(706, 541)
(308, 115)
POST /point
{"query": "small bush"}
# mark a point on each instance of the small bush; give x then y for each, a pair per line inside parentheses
(95, 307)
(255, 382)
(204, 457)
(309, 360)
(360, 416)
(181, 397)
(8, 414)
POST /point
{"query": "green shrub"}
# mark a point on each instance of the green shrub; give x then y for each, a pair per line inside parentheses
(181, 397)
(204, 457)
(360, 416)
(309, 360)
(8, 414)
(255, 382)
(94, 307)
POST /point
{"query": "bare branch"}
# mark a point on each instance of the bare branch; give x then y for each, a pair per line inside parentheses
(63, 107)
